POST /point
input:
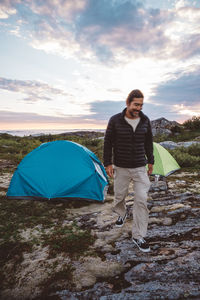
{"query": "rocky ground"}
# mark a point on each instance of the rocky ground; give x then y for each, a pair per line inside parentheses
(114, 268)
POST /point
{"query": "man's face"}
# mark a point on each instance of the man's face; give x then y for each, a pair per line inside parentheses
(135, 107)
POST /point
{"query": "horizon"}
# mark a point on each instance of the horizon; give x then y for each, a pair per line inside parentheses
(71, 64)
(68, 129)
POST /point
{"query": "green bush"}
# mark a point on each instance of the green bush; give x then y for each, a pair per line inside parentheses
(187, 157)
(15, 148)
(193, 123)
(158, 138)
(194, 150)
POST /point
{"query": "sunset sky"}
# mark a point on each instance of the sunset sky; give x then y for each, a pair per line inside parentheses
(70, 64)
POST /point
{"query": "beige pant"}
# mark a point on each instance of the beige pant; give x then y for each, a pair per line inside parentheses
(122, 178)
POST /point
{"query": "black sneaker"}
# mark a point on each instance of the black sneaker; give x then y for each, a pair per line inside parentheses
(120, 221)
(142, 244)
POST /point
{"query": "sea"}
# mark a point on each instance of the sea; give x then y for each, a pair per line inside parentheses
(39, 132)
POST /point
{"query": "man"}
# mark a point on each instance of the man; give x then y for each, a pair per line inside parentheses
(128, 144)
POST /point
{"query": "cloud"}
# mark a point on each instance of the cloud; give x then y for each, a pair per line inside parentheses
(30, 120)
(68, 9)
(116, 26)
(186, 48)
(53, 37)
(183, 31)
(178, 98)
(114, 90)
(26, 118)
(110, 31)
(103, 110)
(7, 8)
(100, 28)
(162, 110)
(34, 90)
(184, 89)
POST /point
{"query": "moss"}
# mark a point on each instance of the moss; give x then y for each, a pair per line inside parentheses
(44, 222)
(69, 239)
(19, 214)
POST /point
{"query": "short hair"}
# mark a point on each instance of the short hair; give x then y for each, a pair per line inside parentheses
(134, 94)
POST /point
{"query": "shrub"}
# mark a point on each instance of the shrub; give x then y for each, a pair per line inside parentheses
(193, 123)
(194, 150)
(160, 138)
(176, 129)
(184, 156)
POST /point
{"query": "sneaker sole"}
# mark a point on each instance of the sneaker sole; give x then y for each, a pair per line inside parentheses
(119, 225)
(143, 250)
(122, 224)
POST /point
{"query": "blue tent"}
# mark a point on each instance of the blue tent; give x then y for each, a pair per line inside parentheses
(59, 170)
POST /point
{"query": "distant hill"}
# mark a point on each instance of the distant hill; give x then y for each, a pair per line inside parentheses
(163, 126)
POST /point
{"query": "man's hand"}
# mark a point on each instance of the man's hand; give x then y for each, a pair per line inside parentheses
(109, 170)
(150, 169)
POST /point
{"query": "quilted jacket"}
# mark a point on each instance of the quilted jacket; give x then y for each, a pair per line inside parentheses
(125, 148)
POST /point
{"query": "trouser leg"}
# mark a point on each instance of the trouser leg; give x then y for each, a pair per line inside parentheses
(140, 210)
(121, 184)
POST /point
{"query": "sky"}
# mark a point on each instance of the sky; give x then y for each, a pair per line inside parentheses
(70, 64)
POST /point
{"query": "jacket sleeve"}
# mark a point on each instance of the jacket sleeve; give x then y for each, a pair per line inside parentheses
(149, 145)
(108, 143)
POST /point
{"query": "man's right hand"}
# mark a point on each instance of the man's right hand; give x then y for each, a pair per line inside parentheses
(109, 170)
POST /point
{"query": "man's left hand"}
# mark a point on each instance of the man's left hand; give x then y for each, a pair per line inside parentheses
(150, 169)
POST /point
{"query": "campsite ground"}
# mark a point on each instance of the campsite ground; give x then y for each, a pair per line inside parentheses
(72, 250)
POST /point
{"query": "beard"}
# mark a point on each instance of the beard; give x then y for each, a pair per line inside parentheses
(132, 113)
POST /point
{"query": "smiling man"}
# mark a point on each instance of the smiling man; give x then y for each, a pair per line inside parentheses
(128, 147)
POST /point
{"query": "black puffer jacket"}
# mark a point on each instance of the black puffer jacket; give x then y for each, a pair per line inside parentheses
(128, 149)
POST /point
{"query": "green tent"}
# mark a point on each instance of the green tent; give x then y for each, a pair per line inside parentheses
(164, 164)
